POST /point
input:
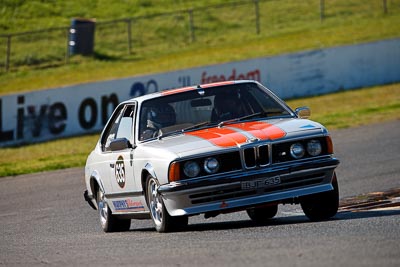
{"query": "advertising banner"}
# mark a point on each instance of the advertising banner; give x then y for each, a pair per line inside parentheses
(74, 110)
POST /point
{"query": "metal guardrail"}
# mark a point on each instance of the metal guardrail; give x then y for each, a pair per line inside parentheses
(129, 37)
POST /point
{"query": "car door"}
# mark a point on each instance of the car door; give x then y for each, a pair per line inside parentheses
(120, 161)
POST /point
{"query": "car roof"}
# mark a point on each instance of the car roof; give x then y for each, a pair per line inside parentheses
(183, 89)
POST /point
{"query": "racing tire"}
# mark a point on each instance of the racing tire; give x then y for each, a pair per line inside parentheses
(322, 206)
(262, 215)
(159, 214)
(108, 222)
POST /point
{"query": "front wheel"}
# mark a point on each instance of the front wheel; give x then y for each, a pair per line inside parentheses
(322, 206)
(161, 218)
(109, 223)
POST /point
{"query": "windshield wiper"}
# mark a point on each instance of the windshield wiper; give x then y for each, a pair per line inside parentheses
(196, 126)
(258, 114)
(192, 127)
(168, 134)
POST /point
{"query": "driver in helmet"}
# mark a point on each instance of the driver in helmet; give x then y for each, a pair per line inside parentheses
(158, 117)
(227, 106)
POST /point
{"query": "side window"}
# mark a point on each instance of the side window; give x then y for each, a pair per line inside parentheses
(126, 123)
(121, 126)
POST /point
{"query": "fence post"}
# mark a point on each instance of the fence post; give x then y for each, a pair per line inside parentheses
(322, 9)
(67, 51)
(385, 10)
(191, 26)
(8, 55)
(129, 36)
(256, 5)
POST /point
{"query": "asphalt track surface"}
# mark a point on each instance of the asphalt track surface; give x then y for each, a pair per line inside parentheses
(44, 221)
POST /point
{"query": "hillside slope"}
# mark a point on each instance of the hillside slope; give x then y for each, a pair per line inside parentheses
(222, 34)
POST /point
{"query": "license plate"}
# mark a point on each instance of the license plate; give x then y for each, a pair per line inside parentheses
(261, 183)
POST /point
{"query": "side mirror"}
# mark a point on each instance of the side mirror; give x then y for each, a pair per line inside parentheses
(303, 112)
(120, 144)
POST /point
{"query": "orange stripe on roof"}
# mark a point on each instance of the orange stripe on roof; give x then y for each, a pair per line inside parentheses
(216, 84)
(261, 130)
(222, 137)
(189, 88)
(178, 90)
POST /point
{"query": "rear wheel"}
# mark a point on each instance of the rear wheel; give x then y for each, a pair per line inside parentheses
(108, 222)
(322, 206)
(262, 214)
(161, 218)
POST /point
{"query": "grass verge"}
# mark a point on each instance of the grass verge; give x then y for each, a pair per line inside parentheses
(335, 111)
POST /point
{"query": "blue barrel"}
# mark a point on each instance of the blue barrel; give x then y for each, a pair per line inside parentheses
(81, 37)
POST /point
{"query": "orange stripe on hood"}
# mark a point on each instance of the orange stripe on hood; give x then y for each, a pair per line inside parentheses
(261, 130)
(223, 137)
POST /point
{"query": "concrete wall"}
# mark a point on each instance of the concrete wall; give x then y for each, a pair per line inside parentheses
(79, 109)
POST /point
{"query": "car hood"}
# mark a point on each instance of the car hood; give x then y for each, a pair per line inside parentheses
(231, 136)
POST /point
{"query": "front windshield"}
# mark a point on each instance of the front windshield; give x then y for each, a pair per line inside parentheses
(206, 106)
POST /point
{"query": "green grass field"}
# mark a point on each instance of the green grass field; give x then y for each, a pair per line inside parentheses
(162, 44)
(222, 35)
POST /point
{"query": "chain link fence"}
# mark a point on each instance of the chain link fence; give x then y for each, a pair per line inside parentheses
(136, 37)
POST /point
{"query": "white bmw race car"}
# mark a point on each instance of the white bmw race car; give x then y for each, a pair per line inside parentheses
(209, 149)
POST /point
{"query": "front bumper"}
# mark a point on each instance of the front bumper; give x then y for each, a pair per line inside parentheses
(249, 188)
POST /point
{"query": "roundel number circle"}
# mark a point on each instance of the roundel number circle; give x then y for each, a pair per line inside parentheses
(120, 172)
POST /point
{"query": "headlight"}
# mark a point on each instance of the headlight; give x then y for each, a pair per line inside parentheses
(297, 150)
(191, 169)
(314, 148)
(211, 165)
